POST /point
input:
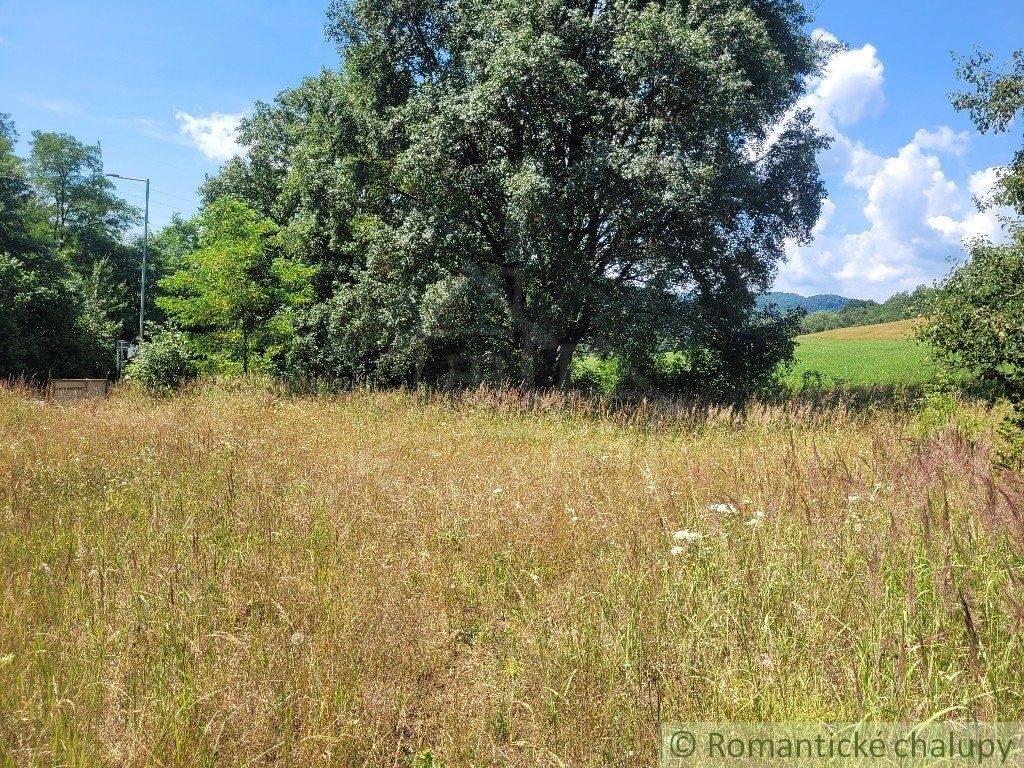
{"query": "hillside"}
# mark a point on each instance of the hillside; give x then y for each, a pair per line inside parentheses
(898, 330)
(825, 302)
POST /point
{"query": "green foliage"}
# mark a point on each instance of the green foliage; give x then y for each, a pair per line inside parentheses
(488, 187)
(976, 327)
(901, 306)
(1010, 451)
(598, 374)
(165, 363)
(52, 319)
(235, 293)
(75, 207)
(997, 98)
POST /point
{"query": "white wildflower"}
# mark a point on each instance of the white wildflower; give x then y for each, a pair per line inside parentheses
(723, 509)
(690, 537)
(297, 639)
(535, 578)
(496, 491)
(676, 551)
(853, 498)
(757, 520)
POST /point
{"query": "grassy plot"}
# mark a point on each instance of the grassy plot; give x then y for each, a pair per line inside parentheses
(869, 355)
(230, 579)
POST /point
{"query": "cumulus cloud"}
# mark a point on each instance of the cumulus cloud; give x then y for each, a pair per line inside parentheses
(916, 217)
(214, 135)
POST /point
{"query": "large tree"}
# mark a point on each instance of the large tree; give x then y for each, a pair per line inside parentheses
(493, 184)
(976, 325)
(79, 211)
(566, 159)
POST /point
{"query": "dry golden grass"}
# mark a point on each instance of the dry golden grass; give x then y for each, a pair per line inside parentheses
(898, 330)
(239, 579)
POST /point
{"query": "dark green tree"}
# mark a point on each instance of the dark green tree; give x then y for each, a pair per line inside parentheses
(77, 209)
(563, 161)
(494, 185)
(44, 326)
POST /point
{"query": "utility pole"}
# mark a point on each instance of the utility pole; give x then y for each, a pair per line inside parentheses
(145, 250)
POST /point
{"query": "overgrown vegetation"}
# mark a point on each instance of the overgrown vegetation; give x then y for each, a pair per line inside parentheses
(976, 327)
(231, 577)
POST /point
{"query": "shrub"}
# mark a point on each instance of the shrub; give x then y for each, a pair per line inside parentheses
(165, 363)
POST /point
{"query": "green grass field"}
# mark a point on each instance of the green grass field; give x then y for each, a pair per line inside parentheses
(863, 356)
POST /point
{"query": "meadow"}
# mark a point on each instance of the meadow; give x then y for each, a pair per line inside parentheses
(241, 578)
(863, 356)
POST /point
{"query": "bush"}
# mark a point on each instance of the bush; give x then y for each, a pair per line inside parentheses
(165, 363)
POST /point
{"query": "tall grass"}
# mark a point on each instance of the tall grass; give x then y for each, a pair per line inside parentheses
(241, 579)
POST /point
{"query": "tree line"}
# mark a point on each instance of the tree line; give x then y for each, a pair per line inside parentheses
(479, 193)
(68, 270)
(903, 305)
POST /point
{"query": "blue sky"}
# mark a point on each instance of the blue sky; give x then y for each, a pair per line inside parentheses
(160, 85)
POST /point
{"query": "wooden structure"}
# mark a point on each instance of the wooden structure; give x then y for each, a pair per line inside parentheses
(68, 390)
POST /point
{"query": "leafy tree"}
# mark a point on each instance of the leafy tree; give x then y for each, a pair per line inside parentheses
(568, 158)
(976, 327)
(997, 97)
(165, 363)
(43, 324)
(236, 291)
(491, 186)
(76, 209)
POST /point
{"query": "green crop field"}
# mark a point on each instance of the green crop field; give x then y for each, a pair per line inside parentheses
(873, 354)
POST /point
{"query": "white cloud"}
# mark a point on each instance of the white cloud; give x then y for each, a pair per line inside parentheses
(917, 218)
(850, 87)
(943, 140)
(214, 135)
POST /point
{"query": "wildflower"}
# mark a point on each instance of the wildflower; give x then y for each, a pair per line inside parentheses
(690, 537)
(574, 519)
(723, 509)
(676, 551)
(757, 520)
(535, 578)
(297, 639)
(853, 498)
(496, 491)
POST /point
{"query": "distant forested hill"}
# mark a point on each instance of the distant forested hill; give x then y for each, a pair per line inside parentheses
(825, 302)
(901, 306)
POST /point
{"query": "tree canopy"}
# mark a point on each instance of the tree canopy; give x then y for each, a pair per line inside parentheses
(236, 288)
(490, 186)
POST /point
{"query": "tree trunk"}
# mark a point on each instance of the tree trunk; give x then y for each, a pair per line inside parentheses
(563, 375)
(245, 351)
(522, 340)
